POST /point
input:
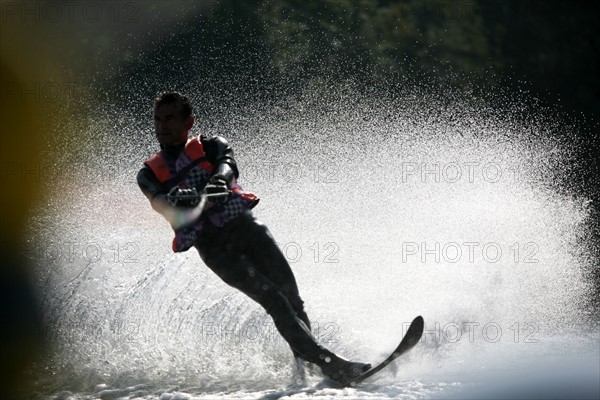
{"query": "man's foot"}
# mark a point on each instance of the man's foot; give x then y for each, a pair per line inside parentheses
(342, 371)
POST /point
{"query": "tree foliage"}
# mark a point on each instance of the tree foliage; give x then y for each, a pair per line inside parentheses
(244, 49)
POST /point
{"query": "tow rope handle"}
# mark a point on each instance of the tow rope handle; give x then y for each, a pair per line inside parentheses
(200, 196)
(184, 217)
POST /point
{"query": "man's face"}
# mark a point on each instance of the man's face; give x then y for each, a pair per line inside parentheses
(170, 127)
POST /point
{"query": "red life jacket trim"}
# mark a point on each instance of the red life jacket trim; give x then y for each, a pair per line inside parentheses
(159, 166)
(193, 149)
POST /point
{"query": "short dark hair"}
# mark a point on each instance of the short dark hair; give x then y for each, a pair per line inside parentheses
(181, 101)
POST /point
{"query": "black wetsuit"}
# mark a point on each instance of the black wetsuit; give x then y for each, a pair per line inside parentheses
(245, 256)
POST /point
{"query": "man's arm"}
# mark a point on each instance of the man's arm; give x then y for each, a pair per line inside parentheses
(154, 191)
(219, 153)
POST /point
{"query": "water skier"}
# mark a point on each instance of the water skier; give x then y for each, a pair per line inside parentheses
(230, 241)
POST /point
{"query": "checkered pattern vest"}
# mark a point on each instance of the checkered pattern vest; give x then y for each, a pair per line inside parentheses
(192, 169)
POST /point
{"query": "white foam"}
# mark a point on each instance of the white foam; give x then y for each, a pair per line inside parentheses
(346, 196)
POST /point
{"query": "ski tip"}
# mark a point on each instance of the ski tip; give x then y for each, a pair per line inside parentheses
(416, 327)
(418, 321)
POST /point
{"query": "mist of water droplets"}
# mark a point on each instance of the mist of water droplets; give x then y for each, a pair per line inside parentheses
(426, 202)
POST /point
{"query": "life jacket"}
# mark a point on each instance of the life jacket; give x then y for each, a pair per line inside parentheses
(191, 169)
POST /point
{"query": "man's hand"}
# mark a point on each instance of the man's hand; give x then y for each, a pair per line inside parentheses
(217, 189)
(178, 197)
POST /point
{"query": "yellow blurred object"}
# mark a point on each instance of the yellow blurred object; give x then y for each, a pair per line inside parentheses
(20, 168)
(28, 88)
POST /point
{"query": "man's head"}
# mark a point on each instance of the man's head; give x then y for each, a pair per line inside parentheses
(173, 118)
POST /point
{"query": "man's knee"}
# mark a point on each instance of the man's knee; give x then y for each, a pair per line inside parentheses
(276, 305)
